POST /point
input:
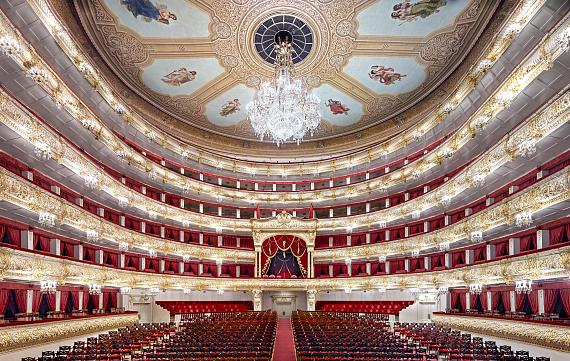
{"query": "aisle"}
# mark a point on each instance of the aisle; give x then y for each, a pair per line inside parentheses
(284, 342)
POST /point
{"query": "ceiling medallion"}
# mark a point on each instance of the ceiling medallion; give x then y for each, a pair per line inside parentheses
(286, 28)
(284, 110)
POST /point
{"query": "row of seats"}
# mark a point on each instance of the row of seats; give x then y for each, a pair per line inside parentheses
(386, 307)
(324, 336)
(183, 307)
(237, 336)
(454, 345)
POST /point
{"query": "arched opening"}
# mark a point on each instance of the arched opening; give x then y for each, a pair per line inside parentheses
(284, 256)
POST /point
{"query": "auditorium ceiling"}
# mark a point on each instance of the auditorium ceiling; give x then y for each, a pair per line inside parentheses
(192, 66)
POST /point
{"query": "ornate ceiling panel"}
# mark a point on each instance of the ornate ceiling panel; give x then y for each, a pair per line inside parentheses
(200, 61)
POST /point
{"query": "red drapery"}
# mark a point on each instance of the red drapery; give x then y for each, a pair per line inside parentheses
(36, 300)
(63, 300)
(284, 243)
(483, 298)
(565, 296)
(50, 298)
(463, 300)
(520, 302)
(22, 299)
(506, 296)
(495, 298)
(14, 235)
(550, 297)
(4, 294)
(533, 301)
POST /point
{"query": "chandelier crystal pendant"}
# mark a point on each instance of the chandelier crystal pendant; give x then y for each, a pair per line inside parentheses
(284, 110)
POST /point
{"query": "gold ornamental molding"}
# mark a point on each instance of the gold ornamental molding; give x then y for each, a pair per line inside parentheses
(33, 267)
(17, 191)
(516, 20)
(553, 190)
(551, 336)
(18, 337)
(547, 120)
(542, 58)
(284, 224)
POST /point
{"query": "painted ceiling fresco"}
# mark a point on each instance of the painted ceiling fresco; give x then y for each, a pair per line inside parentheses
(201, 61)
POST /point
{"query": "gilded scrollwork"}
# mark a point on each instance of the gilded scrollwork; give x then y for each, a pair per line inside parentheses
(551, 336)
(518, 16)
(16, 337)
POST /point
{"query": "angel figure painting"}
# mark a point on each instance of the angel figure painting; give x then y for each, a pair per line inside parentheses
(409, 11)
(384, 75)
(179, 76)
(149, 11)
(230, 107)
(337, 107)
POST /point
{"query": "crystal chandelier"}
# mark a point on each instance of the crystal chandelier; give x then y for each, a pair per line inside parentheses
(125, 290)
(48, 286)
(46, 219)
(90, 181)
(476, 288)
(42, 150)
(123, 246)
(95, 289)
(284, 110)
(523, 286)
(92, 235)
(523, 219)
(476, 236)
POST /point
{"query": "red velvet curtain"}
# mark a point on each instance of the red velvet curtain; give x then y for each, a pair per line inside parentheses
(556, 234)
(550, 297)
(50, 298)
(36, 300)
(4, 294)
(284, 243)
(22, 299)
(14, 235)
(75, 300)
(111, 258)
(463, 300)
(506, 296)
(533, 300)
(565, 296)
(495, 297)
(458, 258)
(454, 299)
(520, 297)
(63, 300)
(483, 298)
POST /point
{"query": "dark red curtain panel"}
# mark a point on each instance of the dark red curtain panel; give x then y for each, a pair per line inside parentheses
(50, 298)
(22, 299)
(506, 296)
(533, 301)
(495, 298)
(557, 234)
(75, 300)
(455, 302)
(36, 300)
(274, 244)
(463, 300)
(4, 294)
(519, 299)
(550, 297)
(565, 296)
(458, 258)
(63, 300)
(15, 235)
(112, 258)
(483, 298)
(480, 254)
